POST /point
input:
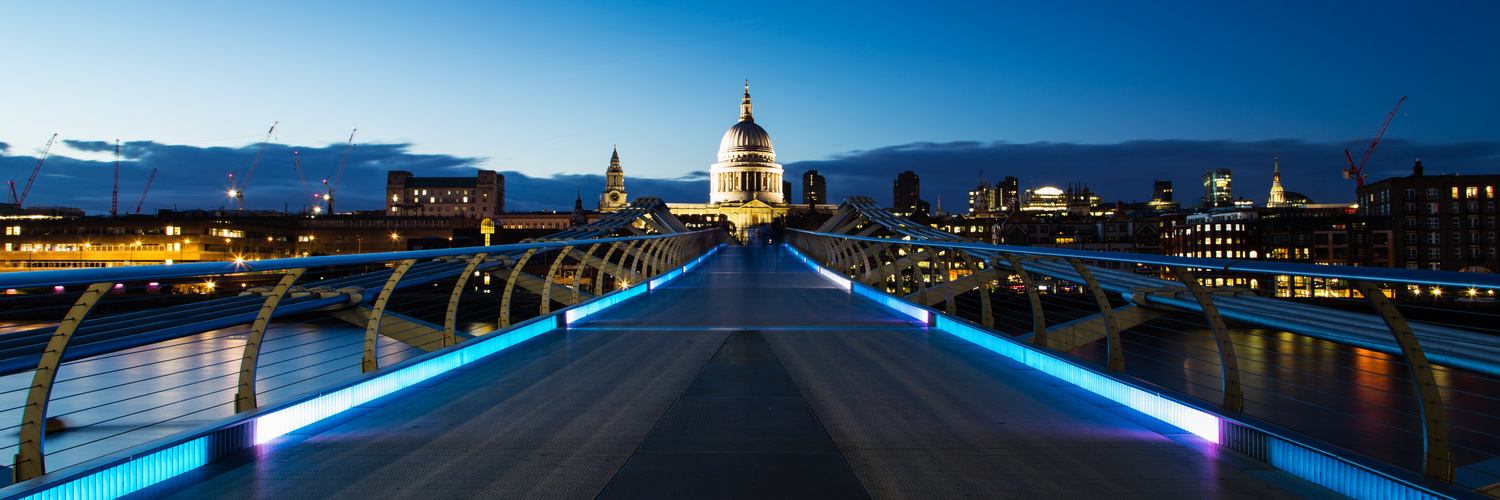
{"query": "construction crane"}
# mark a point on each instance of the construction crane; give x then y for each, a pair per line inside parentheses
(114, 197)
(1357, 172)
(339, 174)
(305, 192)
(237, 191)
(18, 200)
(142, 201)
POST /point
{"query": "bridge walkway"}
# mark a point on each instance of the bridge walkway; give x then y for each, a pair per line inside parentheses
(749, 377)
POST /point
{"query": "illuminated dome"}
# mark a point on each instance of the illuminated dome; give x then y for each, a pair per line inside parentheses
(1049, 191)
(746, 141)
(747, 168)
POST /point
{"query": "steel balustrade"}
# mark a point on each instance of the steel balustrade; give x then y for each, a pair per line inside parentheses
(907, 247)
(341, 296)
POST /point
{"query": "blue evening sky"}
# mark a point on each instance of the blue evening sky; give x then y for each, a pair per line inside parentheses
(546, 88)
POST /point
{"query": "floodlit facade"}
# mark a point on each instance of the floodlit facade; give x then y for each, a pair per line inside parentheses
(473, 197)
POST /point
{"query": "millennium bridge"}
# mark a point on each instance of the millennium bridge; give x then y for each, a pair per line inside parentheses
(632, 357)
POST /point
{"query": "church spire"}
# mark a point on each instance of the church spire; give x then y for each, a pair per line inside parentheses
(1278, 195)
(615, 158)
(745, 114)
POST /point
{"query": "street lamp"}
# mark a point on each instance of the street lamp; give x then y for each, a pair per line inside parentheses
(395, 239)
(132, 252)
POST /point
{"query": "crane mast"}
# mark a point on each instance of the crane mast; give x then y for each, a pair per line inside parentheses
(18, 200)
(298, 161)
(114, 196)
(237, 191)
(142, 201)
(1357, 172)
(339, 174)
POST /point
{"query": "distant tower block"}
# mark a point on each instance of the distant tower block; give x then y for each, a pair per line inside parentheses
(747, 168)
(1161, 192)
(907, 191)
(814, 188)
(1216, 192)
(614, 197)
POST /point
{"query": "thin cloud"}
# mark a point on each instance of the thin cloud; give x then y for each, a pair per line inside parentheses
(190, 177)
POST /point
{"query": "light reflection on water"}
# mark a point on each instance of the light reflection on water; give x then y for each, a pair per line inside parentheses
(120, 400)
(1350, 397)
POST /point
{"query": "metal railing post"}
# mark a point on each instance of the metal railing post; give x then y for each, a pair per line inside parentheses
(603, 264)
(987, 317)
(551, 273)
(368, 362)
(244, 397)
(510, 287)
(895, 270)
(952, 307)
(583, 264)
(1229, 366)
(450, 320)
(642, 257)
(624, 254)
(1111, 325)
(1438, 460)
(1038, 320)
(30, 459)
(864, 262)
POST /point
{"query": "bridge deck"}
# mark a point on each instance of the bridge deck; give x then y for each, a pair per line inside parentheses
(749, 377)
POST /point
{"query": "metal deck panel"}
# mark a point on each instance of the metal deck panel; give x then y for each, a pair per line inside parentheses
(912, 414)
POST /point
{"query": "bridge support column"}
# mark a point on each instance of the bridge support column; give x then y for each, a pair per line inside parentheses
(551, 274)
(1111, 326)
(510, 287)
(1229, 367)
(1038, 321)
(1438, 461)
(368, 362)
(244, 397)
(450, 320)
(30, 459)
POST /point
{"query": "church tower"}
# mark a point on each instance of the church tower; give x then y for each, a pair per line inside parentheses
(747, 168)
(614, 197)
(1278, 196)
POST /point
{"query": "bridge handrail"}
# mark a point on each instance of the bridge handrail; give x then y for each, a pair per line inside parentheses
(1378, 274)
(31, 279)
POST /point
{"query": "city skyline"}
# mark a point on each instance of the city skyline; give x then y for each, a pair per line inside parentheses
(1104, 94)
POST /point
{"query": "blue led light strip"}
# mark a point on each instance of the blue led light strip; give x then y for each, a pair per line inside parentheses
(1301, 460)
(115, 477)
